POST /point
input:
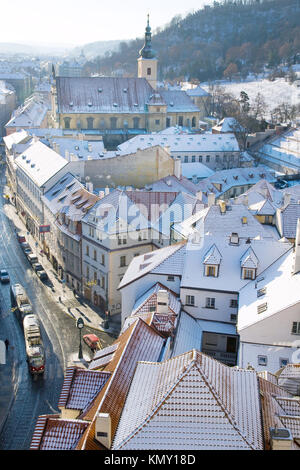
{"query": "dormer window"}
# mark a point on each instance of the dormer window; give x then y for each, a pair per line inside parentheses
(234, 239)
(212, 261)
(248, 273)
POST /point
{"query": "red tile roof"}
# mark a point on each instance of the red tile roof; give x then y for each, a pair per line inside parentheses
(52, 433)
(80, 387)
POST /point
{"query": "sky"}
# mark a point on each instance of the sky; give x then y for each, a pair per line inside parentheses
(79, 22)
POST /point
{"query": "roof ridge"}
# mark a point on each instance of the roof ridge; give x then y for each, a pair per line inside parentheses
(228, 414)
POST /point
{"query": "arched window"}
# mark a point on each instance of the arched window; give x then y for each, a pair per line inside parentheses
(194, 122)
(90, 123)
(67, 122)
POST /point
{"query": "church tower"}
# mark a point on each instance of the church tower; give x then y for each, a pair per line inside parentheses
(147, 62)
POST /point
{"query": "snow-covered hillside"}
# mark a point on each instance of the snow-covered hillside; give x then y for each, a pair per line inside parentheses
(275, 93)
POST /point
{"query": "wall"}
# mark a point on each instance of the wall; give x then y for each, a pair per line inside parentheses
(222, 310)
(137, 170)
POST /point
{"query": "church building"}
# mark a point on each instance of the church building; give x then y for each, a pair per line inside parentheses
(121, 107)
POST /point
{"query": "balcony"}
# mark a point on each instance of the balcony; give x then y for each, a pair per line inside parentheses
(222, 356)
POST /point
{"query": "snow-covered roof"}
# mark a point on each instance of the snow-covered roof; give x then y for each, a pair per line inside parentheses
(31, 114)
(16, 138)
(182, 143)
(40, 162)
(224, 180)
(196, 169)
(229, 124)
(168, 259)
(268, 288)
(210, 415)
(81, 149)
(283, 150)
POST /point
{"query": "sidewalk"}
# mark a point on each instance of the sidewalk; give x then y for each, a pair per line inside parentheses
(73, 306)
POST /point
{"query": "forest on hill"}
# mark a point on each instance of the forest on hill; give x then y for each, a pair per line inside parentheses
(229, 38)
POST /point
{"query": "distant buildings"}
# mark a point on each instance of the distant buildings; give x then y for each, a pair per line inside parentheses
(7, 105)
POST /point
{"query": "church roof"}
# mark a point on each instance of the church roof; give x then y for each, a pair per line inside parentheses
(112, 95)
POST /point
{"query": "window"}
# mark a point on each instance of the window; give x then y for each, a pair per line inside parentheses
(95, 277)
(261, 292)
(103, 260)
(87, 250)
(233, 317)
(158, 110)
(248, 273)
(186, 159)
(194, 122)
(180, 121)
(168, 122)
(231, 345)
(103, 282)
(90, 123)
(210, 302)
(211, 271)
(95, 255)
(233, 303)
(262, 360)
(207, 158)
(193, 159)
(171, 278)
(200, 158)
(67, 122)
(157, 122)
(190, 300)
(283, 362)
(296, 328)
(113, 123)
(122, 261)
(149, 71)
(136, 123)
(262, 308)
(217, 158)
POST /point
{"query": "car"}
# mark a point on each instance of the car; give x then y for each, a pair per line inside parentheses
(21, 238)
(92, 341)
(32, 258)
(43, 276)
(25, 246)
(37, 267)
(4, 276)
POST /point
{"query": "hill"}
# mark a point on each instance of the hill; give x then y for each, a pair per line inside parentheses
(235, 36)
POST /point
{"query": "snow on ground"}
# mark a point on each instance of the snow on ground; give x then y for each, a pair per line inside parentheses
(275, 93)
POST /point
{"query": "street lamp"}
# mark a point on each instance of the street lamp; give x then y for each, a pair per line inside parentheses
(80, 325)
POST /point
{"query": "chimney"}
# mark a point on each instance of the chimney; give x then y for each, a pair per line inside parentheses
(199, 195)
(286, 199)
(280, 438)
(222, 207)
(90, 187)
(297, 250)
(103, 429)
(211, 199)
(177, 168)
(162, 301)
(245, 200)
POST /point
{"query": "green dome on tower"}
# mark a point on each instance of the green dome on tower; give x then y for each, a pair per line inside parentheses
(147, 52)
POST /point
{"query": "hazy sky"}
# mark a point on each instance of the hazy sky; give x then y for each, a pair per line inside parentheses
(82, 21)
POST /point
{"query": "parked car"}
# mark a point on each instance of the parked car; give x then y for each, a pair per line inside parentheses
(4, 276)
(37, 267)
(92, 341)
(42, 275)
(32, 258)
(21, 237)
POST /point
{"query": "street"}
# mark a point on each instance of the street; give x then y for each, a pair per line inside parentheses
(29, 397)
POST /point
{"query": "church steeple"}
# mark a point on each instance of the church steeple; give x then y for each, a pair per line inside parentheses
(147, 52)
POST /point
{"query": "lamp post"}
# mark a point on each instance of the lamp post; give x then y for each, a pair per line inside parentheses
(80, 325)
